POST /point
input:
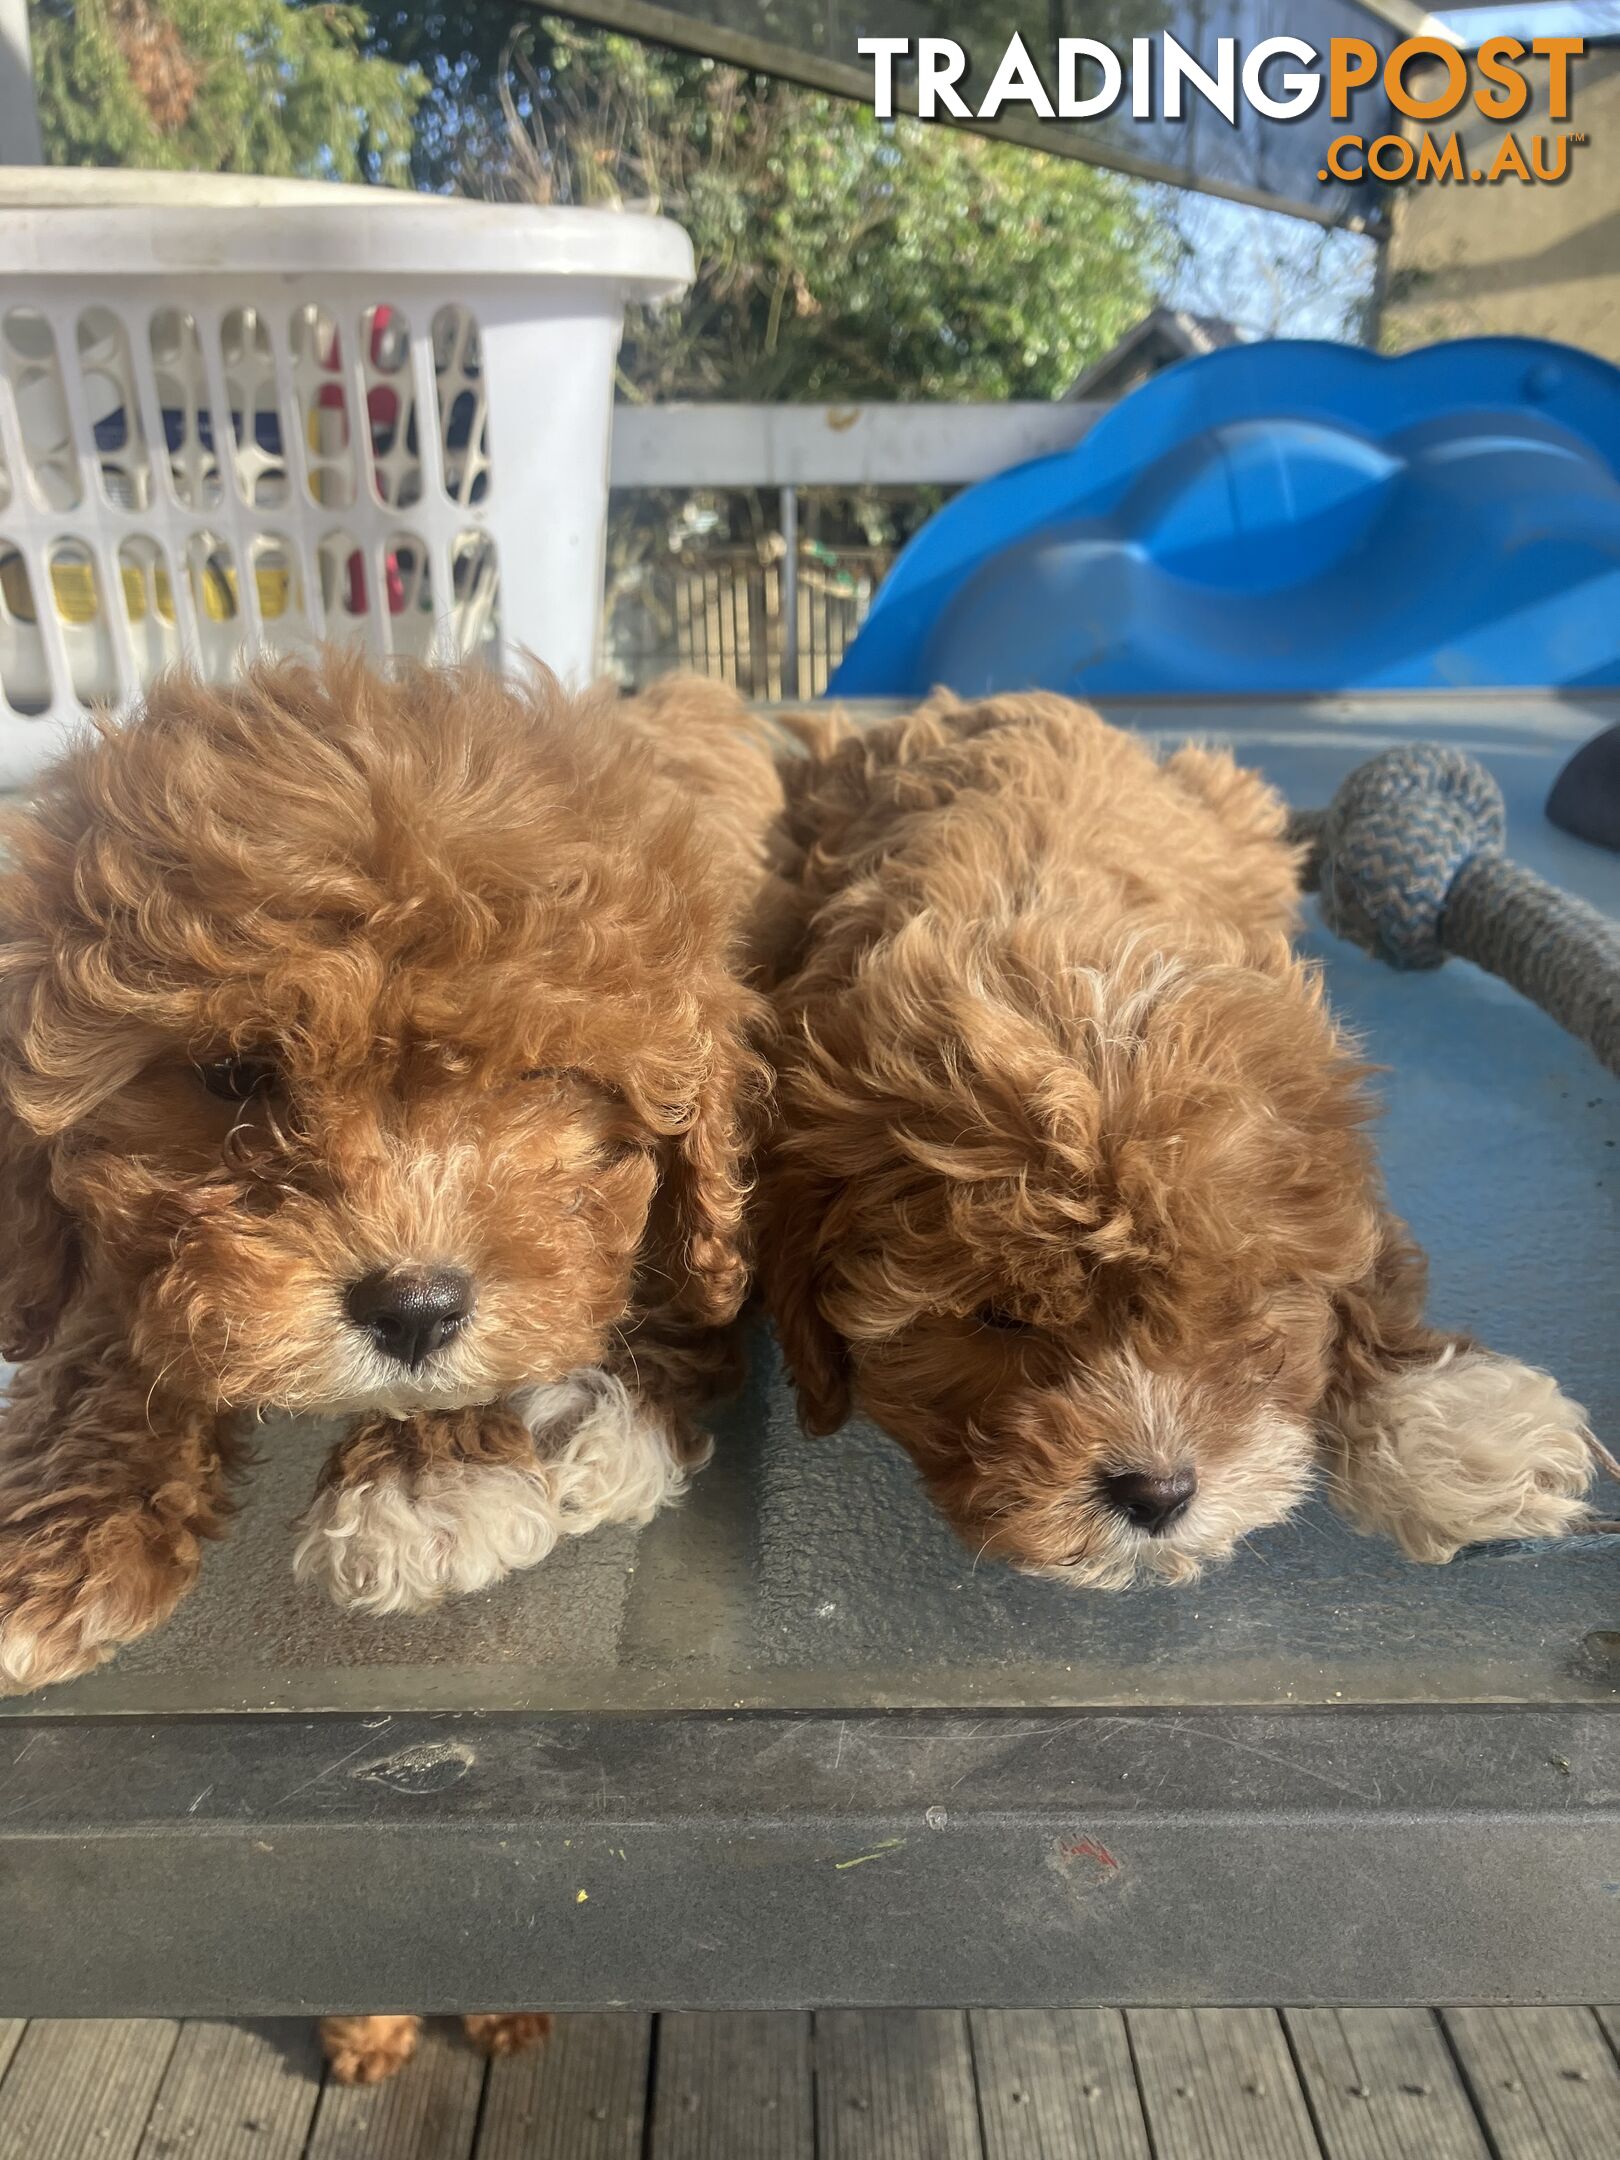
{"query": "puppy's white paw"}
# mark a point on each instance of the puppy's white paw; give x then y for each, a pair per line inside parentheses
(398, 1544)
(32, 1657)
(1469, 1448)
(402, 1543)
(608, 1458)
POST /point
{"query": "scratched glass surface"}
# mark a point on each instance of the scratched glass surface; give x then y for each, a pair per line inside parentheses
(804, 1573)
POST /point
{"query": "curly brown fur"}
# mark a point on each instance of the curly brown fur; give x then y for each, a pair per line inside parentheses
(326, 974)
(366, 2050)
(510, 2032)
(1071, 1184)
(101, 1529)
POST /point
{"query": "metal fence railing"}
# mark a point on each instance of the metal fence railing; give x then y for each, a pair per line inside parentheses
(774, 614)
(734, 613)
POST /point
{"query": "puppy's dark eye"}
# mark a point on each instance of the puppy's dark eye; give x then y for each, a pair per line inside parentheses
(997, 1317)
(237, 1079)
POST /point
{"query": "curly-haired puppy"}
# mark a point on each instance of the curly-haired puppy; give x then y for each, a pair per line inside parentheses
(1072, 1191)
(373, 1048)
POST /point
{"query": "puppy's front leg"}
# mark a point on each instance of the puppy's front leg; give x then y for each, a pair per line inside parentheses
(412, 1510)
(106, 1493)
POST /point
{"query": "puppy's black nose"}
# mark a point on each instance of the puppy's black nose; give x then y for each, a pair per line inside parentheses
(410, 1312)
(1151, 1501)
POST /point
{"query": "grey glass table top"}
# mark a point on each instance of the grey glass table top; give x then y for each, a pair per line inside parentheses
(812, 1575)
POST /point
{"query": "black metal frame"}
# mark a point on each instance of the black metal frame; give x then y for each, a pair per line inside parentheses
(265, 1864)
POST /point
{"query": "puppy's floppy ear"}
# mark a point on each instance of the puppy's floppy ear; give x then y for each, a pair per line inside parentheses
(39, 1247)
(817, 1355)
(39, 1244)
(698, 1229)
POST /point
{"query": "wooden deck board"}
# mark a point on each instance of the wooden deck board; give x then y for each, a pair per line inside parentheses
(733, 2086)
(583, 2096)
(895, 2085)
(1534, 2084)
(428, 2112)
(79, 2087)
(1057, 2085)
(236, 2092)
(1545, 2081)
(1382, 2085)
(1220, 2085)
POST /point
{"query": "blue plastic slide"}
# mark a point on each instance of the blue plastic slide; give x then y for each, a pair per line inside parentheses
(1288, 517)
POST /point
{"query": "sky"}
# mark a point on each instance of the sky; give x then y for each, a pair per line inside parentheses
(1553, 18)
(1244, 262)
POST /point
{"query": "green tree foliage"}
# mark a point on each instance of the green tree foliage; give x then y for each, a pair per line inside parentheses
(222, 86)
(459, 48)
(839, 256)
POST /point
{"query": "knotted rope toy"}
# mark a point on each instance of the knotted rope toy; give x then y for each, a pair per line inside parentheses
(1408, 860)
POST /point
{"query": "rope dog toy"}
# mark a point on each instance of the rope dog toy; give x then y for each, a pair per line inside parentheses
(1408, 861)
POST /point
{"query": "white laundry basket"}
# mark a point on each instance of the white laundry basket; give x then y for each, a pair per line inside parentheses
(240, 415)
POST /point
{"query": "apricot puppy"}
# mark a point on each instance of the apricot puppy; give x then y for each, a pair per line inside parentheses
(1071, 1190)
(373, 1048)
